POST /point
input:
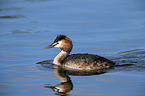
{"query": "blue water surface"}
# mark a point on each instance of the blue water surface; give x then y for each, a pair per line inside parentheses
(114, 29)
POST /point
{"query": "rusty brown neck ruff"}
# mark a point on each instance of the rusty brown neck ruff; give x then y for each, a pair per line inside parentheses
(65, 45)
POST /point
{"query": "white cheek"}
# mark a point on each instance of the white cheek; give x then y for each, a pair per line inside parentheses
(59, 44)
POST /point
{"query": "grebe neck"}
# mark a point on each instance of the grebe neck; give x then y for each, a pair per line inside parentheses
(60, 57)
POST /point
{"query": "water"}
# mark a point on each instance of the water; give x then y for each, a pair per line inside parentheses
(110, 28)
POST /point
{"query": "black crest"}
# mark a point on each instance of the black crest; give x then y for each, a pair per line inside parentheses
(59, 37)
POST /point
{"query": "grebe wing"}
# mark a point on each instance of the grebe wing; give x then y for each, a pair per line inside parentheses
(86, 62)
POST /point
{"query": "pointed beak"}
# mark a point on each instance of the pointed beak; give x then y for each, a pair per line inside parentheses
(50, 46)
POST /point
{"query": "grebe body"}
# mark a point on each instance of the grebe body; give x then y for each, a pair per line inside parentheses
(77, 61)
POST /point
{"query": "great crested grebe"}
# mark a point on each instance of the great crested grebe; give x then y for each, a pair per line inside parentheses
(77, 61)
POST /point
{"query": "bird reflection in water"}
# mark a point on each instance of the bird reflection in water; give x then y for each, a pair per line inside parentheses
(66, 84)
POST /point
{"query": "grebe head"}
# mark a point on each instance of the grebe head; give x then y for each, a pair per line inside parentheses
(62, 42)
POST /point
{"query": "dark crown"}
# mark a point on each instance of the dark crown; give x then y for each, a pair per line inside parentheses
(59, 37)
